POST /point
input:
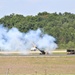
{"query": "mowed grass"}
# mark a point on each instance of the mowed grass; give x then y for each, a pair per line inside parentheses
(53, 65)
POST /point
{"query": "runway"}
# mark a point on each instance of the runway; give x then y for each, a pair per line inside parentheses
(38, 55)
(62, 53)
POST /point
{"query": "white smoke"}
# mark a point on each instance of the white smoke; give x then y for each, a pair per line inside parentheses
(13, 40)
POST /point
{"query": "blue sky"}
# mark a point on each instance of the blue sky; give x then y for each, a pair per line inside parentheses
(33, 7)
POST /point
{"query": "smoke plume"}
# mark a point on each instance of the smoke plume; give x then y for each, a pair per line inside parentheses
(13, 40)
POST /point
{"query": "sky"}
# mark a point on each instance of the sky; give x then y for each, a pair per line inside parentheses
(33, 7)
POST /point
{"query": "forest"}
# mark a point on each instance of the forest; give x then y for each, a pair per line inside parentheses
(60, 25)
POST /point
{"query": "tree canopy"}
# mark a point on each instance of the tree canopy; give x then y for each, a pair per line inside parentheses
(61, 25)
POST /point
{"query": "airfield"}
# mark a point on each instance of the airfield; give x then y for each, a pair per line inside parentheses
(55, 53)
(57, 63)
(33, 53)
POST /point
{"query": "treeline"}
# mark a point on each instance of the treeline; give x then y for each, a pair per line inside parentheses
(61, 25)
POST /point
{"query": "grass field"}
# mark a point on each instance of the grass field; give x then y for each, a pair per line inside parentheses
(52, 65)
